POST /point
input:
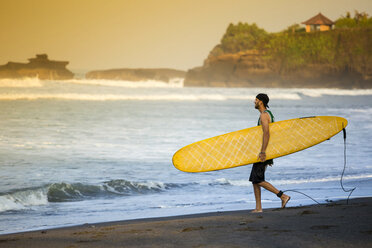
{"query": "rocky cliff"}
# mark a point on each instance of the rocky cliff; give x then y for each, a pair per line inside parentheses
(243, 69)
(333, 59)
(250, 69)
(40, 67)
(164, 75)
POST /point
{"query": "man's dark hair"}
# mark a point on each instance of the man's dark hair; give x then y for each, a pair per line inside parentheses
(264, 98)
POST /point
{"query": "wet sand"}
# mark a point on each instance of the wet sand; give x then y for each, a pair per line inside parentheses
(328, 225)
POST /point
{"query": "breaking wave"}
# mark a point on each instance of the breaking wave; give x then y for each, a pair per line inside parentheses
(113, 97)
(112, 90)
(24, 199)
(35, 82)
(20, 83)
(334, 92)
(66, 192)
(173, 83)
(138, 97)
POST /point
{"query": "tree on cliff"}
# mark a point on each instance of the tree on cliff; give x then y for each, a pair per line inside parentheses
(360, 20)
(240, 37)
(295, 28)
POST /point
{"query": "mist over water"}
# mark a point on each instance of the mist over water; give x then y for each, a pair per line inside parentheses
(85, 151)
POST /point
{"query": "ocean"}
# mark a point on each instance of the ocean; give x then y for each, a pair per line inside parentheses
(87, 151)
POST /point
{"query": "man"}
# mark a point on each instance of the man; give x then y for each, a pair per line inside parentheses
(257, 176)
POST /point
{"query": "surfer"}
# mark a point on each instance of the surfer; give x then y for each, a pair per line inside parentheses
(257, 176)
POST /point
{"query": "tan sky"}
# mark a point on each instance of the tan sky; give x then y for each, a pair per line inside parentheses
(103, 34)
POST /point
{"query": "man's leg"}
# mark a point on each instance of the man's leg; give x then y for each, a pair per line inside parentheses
(257, 196)
(268, 186)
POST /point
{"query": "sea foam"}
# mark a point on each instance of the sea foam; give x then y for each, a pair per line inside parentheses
(173, 83)
(23, 199)
(20, 83)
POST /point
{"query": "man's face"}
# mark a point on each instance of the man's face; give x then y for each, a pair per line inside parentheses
(256, 103)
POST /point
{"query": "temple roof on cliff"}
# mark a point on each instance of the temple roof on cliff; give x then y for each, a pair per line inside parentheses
(319, 19)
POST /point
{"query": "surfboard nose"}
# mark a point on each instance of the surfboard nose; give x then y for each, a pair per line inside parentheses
(177, 160)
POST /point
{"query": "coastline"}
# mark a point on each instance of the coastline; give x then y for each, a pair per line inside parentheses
(335, 224)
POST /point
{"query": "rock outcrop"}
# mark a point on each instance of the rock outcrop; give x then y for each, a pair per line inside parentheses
(40, 67)
(250, 69)
(243, 69)
(164, 75)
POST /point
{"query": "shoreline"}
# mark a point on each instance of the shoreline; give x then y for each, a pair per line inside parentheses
(327, 225)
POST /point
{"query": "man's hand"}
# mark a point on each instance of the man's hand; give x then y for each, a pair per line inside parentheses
(262, 156)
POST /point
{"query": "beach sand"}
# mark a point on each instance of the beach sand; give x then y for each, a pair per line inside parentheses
(328, 225)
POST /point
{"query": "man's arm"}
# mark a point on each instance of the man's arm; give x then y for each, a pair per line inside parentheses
(265, 121)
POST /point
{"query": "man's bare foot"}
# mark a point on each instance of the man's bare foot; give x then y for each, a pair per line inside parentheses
(256, 211)
(285, 200)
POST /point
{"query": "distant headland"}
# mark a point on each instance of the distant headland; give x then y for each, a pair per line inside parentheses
(160, 74)
(40, 67)
(318, 56)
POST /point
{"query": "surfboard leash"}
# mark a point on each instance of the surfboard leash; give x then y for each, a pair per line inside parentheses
(343, 171)
(342, 175)
(291, 190)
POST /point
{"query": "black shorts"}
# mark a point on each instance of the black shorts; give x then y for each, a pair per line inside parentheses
(258, 171)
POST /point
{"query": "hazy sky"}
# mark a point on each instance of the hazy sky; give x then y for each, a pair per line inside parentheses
(103, 34)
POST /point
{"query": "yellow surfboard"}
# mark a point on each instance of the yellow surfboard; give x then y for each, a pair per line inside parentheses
(242, 147)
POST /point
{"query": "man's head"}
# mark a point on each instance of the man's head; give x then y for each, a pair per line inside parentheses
(261, 98)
